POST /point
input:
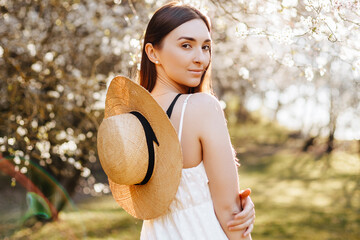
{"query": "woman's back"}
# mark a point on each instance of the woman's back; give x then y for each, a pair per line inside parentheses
(205, 139)
(191, 214)
(190, 140)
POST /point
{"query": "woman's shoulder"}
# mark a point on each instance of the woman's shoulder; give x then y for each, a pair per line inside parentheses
(205, 110)
(203, 100)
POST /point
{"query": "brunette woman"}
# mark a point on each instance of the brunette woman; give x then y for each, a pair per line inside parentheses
(175, 69)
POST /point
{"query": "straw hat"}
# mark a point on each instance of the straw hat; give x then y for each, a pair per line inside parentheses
(134, 130)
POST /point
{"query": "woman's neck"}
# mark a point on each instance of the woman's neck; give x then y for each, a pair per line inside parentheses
(164, 86)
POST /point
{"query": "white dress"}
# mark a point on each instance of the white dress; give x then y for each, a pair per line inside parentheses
(191, 214)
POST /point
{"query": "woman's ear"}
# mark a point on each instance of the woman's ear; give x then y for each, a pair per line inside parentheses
(151, 53)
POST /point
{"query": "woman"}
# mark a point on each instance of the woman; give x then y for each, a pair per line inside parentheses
(175, 68)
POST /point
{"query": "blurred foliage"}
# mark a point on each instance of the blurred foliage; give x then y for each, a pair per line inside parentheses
(56, 58)
(297, 61)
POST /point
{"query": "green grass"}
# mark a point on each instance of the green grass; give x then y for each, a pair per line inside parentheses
(97, 218)
(298, 198)
(297, 195)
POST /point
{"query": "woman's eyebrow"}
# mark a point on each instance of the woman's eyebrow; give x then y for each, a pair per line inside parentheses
(193, 39)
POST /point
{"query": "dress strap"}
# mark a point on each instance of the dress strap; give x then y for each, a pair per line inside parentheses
(169, 110)
(182, 117)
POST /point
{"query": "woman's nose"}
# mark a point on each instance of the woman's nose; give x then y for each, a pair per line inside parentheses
(200, 56)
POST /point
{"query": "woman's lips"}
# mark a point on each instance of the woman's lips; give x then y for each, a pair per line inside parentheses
(196, 71)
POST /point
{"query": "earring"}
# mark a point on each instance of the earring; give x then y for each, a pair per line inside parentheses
(156, 62)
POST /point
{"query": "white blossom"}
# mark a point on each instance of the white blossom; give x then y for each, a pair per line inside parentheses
(23, 170)
(271, 55)
(67, 147)
(54, 94)
(44, 148)
(70, 96)
(34, 124)
(290, 3)
(71, 160)
(244, 73)
(60, 88)
(356, 65)
(309, 74)
(2, 148)
(287, 60)
(81, 137)
(37, 67)
(98, 187)
(77, 165)
(322, 71)
(85, 172)
(135, 43)
(49, 57)
(241, 31)
(89, 134)
(21, 131)
(11, 141)
(50, 125)
(19, 153)
(32, 49)
(61, 135)
(17, 160)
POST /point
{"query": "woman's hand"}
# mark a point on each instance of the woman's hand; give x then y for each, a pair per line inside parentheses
(246, 217)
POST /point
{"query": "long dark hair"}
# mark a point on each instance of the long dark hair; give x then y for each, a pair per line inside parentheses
(164, 20)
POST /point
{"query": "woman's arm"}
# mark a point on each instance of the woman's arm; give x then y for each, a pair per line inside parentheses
(218, 161)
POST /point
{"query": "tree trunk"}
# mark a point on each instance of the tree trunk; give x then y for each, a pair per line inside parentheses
(308, 143)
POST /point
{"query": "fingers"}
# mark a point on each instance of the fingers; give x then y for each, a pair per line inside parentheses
(245, 219)
(249, 230)
(247, 214)
(248, 209)
(242, 226)
(238, 222)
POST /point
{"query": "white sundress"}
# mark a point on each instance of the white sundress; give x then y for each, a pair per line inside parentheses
(191, 214)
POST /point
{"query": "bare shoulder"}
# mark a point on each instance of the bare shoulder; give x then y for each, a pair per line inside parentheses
(204, 103)
(206, 113)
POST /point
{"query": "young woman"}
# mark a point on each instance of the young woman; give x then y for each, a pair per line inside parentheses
(175, 69)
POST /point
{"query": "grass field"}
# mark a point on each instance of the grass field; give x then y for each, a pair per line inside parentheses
(297, 195)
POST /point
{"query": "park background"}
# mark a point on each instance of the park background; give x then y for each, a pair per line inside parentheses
(287, 74)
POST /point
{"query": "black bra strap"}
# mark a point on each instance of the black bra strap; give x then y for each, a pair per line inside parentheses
(169, 111)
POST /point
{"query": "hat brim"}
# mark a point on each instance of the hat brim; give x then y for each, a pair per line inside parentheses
(153, 198)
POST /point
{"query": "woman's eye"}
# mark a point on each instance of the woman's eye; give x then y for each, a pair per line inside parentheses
(206, 47)
(186, 45)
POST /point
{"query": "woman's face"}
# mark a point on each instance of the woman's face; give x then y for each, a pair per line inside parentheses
(185, 54)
